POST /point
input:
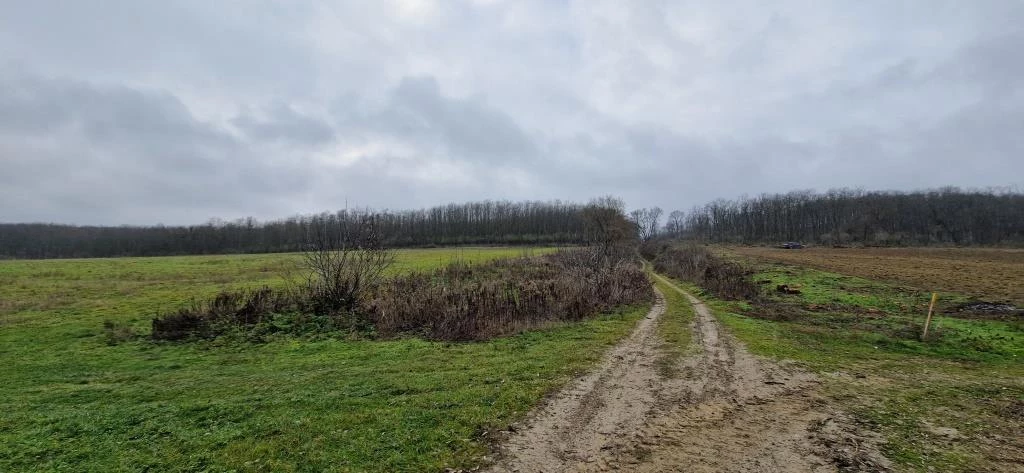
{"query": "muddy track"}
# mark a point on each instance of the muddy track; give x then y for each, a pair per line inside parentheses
(725, 410)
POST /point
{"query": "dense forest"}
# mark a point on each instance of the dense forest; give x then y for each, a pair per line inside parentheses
(454, 224)
(947, 216)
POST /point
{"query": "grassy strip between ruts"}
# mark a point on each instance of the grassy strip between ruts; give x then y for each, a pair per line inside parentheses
(674, 327)
(72, 402)
(947, 405)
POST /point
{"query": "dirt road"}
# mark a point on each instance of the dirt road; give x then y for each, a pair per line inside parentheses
(727, 410)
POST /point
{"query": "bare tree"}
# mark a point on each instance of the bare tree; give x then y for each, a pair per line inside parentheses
(646, 221)
(606, 226)
(676, 223)
(839, 217)
(343, 263)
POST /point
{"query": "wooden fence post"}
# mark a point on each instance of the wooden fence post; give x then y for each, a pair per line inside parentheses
(928, 321)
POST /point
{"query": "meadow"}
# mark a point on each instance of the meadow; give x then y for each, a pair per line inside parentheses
(76, 397)
(952, 402)
(86, 389)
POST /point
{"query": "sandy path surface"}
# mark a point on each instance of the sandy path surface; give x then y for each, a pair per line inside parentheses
(726, 410)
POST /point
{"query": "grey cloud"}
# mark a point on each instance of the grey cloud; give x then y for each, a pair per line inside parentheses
(991, 62)
(280, 122)
(174, 44)
(174, 112)
(113, 154)
(38, 105)
(465, 128)
(469, 126)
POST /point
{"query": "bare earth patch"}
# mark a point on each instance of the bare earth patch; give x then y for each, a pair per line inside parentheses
(727, 410)
(988, 273)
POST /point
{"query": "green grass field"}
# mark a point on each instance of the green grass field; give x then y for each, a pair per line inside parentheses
(968, 377)
(73, 402)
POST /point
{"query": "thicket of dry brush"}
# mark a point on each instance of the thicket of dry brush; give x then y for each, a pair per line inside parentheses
(700, 266)
(455, 302)
(461, 302)
(223, 313)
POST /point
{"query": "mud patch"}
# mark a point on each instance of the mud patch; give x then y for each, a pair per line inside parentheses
(726, 411)
(987, 310)
(598, 414)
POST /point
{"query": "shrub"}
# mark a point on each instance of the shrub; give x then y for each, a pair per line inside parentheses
(455, 302)
(225, 311)
(693, 263)
(460, 302)
(342, 266)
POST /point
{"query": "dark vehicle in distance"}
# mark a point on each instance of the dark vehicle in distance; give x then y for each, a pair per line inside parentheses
(792, 245)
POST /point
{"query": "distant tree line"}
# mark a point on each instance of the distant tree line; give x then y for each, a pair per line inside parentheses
(454, 224)
(946, 216)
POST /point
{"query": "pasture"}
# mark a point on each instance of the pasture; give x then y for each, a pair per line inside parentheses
(953, 402)
(76, 397)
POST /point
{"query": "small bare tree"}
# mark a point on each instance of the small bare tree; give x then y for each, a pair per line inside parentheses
(344, 260)
(646, 221)
(606, 225)
(676, 223)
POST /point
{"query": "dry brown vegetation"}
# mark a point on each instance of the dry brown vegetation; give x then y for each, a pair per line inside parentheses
(474, 302)
(456, 302)
(697, 264)
(985, 273)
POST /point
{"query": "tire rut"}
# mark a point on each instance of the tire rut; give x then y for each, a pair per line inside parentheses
(598, 413)
(726, 410)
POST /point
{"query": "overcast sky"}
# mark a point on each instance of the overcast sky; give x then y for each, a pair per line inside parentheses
(144, 112)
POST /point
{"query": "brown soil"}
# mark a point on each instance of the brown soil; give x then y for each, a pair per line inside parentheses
(726, 411)
(986, 273)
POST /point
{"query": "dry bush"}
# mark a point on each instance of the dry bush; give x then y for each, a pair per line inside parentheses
(650, 250)
(722, 278)
(342, 264)
(454, 302)
(460, 302)
(227, 310)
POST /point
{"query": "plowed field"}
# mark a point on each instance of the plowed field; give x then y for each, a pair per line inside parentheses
(984, 273)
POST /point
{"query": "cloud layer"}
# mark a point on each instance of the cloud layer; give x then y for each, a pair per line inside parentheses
(174, 112)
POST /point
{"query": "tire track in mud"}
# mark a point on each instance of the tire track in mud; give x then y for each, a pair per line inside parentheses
(726, 410)
(600, 412)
